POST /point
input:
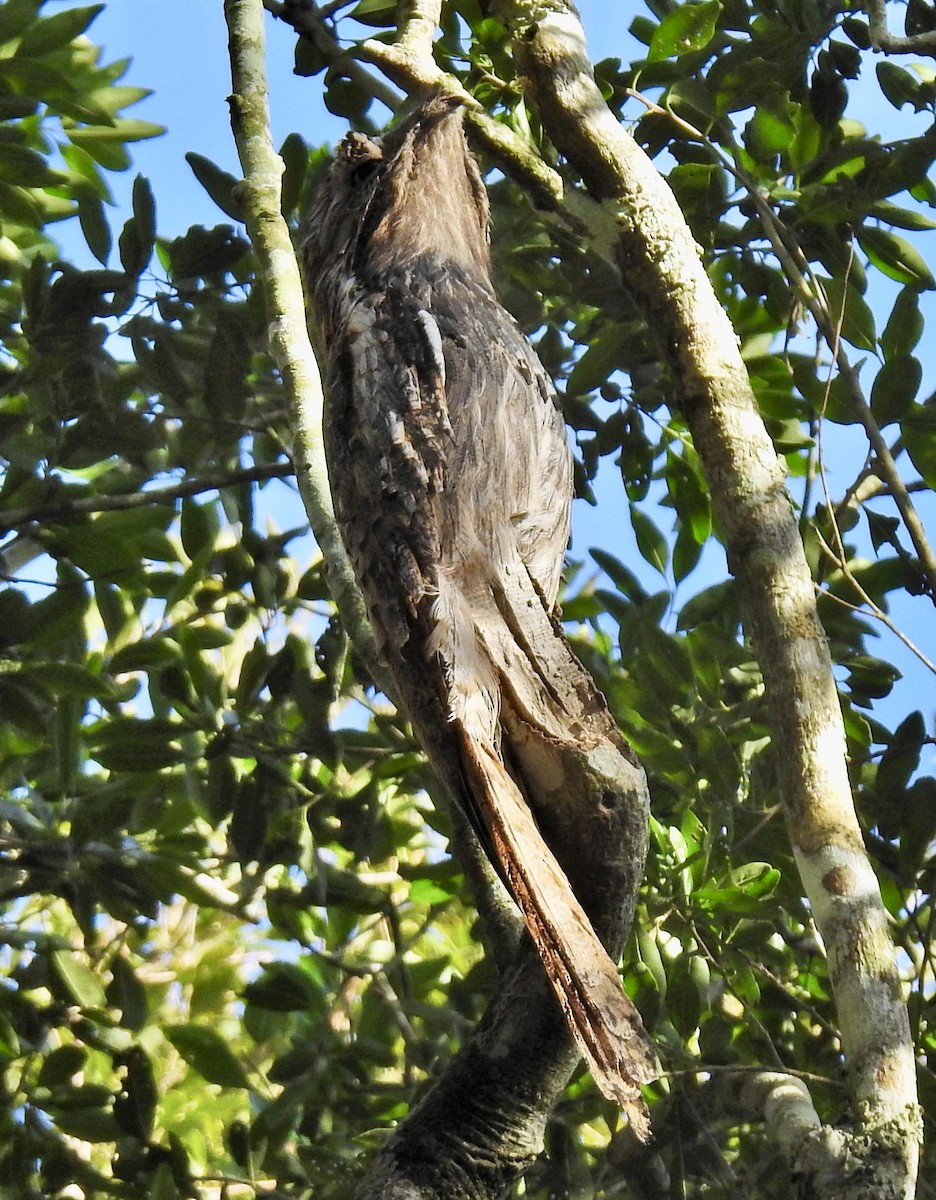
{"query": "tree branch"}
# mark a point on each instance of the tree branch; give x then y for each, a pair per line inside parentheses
(888, 43)
(278, 274)
(508, 151)
(662, 267)
(309, 22)
(61, 508)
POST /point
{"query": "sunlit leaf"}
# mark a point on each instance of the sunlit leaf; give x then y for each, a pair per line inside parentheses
(80, 981)
(686, 28)
(210, 1055)
(895, 256)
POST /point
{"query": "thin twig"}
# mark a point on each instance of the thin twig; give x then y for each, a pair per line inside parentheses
(797, 269)
(62, 508)
(867, 606)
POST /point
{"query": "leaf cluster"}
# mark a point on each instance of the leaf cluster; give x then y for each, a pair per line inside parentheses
(232, 938)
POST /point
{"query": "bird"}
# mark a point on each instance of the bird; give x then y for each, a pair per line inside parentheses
(452, 479)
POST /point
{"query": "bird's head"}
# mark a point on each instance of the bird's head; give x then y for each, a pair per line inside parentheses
(389, 203)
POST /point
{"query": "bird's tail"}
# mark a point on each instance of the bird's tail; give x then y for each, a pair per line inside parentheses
(601, 1016)
(516, 694)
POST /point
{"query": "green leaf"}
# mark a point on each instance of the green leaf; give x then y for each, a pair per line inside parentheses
(144, 212)
(745, 892)
(62, 1064)
(58, 30)
(901, 759)
(428, 892)
(850, 309)
(308, 60)
(205, 252)
(295, 155)
(899, 85)
(650, 541)
(135, 744)
(895, 388)
(919, 433)
(124, 130)
(126, 992)
(226, 369)
(904, 327)
(687, 551)
(221, 186)
(381, 13)
(135, 1107)
(25, 168)
(89, 1124)
(135, 247)
(284, 987)
(79, 980)
(895, 257)
(770, 130)
(15, 17)
(198, 527)
(94, 226)
(687, 982)
(687, 28)
(903, 218)
(209, 1054)
(621, 576)
(603, 356)
(858, 32)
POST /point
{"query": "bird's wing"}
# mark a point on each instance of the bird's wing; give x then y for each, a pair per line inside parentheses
(525, 709)
(452, 481)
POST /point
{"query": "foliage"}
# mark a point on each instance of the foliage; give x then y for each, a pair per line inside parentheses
(232, 940)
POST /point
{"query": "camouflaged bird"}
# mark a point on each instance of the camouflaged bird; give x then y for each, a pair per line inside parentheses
(452, 480)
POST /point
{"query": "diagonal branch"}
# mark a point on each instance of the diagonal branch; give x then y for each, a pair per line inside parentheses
(414, 73)
(310, 23)
(662, 267)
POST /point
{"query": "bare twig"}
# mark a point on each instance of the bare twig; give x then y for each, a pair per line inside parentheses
(414, 73)
(867, 606)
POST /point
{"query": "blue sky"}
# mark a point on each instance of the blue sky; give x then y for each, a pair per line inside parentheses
(179, 48)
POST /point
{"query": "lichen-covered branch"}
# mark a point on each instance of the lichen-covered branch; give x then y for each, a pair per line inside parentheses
(662, 267)
(278, 274)
(839, 1165)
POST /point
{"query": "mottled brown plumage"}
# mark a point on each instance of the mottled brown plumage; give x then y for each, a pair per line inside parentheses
(452, 480)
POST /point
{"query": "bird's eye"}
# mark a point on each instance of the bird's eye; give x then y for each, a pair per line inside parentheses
(364, 169)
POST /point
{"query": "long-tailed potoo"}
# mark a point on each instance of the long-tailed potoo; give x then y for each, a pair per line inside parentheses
(452, 480)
